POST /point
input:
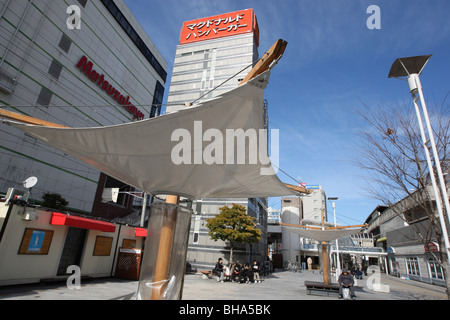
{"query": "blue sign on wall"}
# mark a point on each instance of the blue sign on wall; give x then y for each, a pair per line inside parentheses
(37, 238)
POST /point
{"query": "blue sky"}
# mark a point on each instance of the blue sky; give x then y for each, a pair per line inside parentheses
(333, 63)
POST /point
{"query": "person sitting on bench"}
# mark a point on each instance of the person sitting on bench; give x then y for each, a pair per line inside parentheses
(218, 270)
(236, 275)
(247, 274)
(346, 281)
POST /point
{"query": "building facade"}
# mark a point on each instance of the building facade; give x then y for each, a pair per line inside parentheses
(213, 55)
(84, 63)
(38, 244)
(306, 209)
(314, 204)
(405, 231)
(291, 213)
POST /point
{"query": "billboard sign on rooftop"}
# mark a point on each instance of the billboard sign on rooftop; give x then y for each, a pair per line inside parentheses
(224, 25)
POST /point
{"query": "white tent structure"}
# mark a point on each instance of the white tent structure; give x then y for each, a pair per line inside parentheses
(325, 235)
(216, 149)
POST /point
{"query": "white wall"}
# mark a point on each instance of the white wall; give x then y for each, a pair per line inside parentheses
(18, 268)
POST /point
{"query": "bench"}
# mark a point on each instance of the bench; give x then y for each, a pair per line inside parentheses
(207, 274)
(321, 288)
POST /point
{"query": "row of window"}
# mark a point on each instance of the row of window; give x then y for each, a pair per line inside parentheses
(413, 269)
(126, 26)
(157, 100)
(45, 96)
(55, 69)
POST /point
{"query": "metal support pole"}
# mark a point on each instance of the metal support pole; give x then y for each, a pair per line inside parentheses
(430, 165)
(144, 208)
(433, 147)
(338, 261)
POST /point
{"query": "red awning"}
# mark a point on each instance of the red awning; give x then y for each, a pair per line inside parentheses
(140, 232)
(60, 219)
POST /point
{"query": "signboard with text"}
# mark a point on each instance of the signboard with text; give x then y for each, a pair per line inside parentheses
(224, 25)
(431, 247)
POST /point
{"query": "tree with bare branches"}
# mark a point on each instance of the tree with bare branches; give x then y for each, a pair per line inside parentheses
(392, 153)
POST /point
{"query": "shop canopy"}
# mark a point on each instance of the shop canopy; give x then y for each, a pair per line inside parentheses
(61, 219)
(190, 153)
(140, 232)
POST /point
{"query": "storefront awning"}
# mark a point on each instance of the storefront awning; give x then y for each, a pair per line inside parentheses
(60, 219)
(140, 232)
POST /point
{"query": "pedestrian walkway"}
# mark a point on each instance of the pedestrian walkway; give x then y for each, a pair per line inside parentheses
(290, 286)
(283, 285)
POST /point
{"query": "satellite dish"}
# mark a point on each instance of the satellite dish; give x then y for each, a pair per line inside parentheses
(30, 182)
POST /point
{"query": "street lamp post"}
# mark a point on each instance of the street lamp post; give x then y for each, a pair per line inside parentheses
(338, 262)
(411, 68)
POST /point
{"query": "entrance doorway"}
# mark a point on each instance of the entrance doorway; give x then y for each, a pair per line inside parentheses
(73, 249)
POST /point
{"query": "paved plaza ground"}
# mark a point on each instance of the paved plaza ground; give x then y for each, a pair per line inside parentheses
(284, 285)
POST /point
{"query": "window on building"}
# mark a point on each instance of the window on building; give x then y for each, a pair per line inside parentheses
(65, 43)
(126, 26)
(197, 223)
(116, 191)
(45, 96)
(83, 3)
(55, 69)
(157, 100)
(436, 271)
(412, 266)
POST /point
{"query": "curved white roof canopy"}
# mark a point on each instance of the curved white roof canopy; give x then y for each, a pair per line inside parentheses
(326, 235)
(139, 153)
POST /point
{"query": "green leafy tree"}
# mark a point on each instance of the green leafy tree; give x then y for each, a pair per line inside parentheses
(233, 225)
(54, 201)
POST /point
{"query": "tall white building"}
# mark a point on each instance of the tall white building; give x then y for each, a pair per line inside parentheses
(213, 55)
(314, 204)
(306, 209)
(96, 70)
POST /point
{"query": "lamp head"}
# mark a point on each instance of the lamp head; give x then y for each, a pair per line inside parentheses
(404, 67)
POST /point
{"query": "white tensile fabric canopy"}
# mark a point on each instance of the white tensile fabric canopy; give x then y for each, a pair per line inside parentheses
(171, 154)
(326, 235)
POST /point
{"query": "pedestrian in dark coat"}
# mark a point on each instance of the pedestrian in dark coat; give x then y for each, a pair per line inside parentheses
(236, 272)
(346, 281)
(218, 270)
(247, 274)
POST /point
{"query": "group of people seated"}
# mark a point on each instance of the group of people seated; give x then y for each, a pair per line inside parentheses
(237, 273)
